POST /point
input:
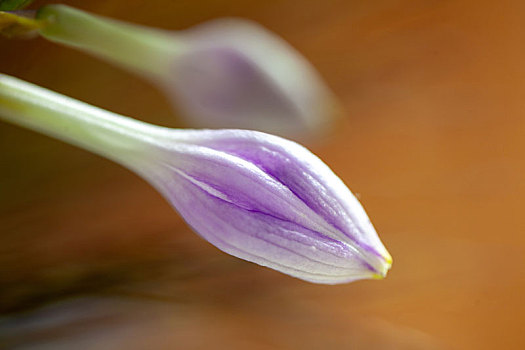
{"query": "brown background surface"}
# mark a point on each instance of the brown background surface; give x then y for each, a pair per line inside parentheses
(431, 140)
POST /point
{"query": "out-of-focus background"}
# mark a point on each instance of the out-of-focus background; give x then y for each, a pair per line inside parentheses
(431, 138)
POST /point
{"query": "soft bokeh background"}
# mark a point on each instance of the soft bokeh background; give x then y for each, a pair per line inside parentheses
(432, 139)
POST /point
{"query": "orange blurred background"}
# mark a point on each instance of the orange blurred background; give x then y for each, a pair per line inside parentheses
(432, 140)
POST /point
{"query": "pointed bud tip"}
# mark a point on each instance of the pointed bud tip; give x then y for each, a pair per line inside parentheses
(379, 275)
(388, 259)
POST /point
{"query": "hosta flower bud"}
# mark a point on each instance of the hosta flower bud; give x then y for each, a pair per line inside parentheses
(268, 200)
(226, 73)
(253, 195)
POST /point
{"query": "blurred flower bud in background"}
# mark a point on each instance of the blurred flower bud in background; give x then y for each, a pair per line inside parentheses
(253, 195)
(227, 73)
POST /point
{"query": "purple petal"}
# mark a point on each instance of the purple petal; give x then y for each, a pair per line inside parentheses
(271, 201)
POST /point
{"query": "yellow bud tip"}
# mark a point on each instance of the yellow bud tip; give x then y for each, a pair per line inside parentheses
(388, 263)
(388, 259)
(378, 276)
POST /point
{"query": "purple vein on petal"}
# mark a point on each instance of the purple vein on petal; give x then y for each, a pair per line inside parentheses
(265, 156)
(207, 189)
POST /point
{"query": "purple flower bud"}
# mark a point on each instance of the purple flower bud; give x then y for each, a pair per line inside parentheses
(271, 201)
(228, 73)
(234, 73)
(253, 195)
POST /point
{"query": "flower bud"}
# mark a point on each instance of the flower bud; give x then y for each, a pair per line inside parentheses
(227, 73)
(256, 196)
(268, 200)
(234, 73)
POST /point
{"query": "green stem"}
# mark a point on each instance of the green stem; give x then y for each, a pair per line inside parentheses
(136, 48)
(13, 25)
(118, 138)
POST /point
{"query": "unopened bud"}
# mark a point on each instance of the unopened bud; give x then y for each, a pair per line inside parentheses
(227, 73)
(256, 196)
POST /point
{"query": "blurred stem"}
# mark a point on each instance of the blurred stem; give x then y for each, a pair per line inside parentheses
(13, 25)
(118, 138)
(138, 48)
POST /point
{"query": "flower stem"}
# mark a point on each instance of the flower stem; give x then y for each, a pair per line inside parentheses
(14, 25)
(118, 138)
(125, 44)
